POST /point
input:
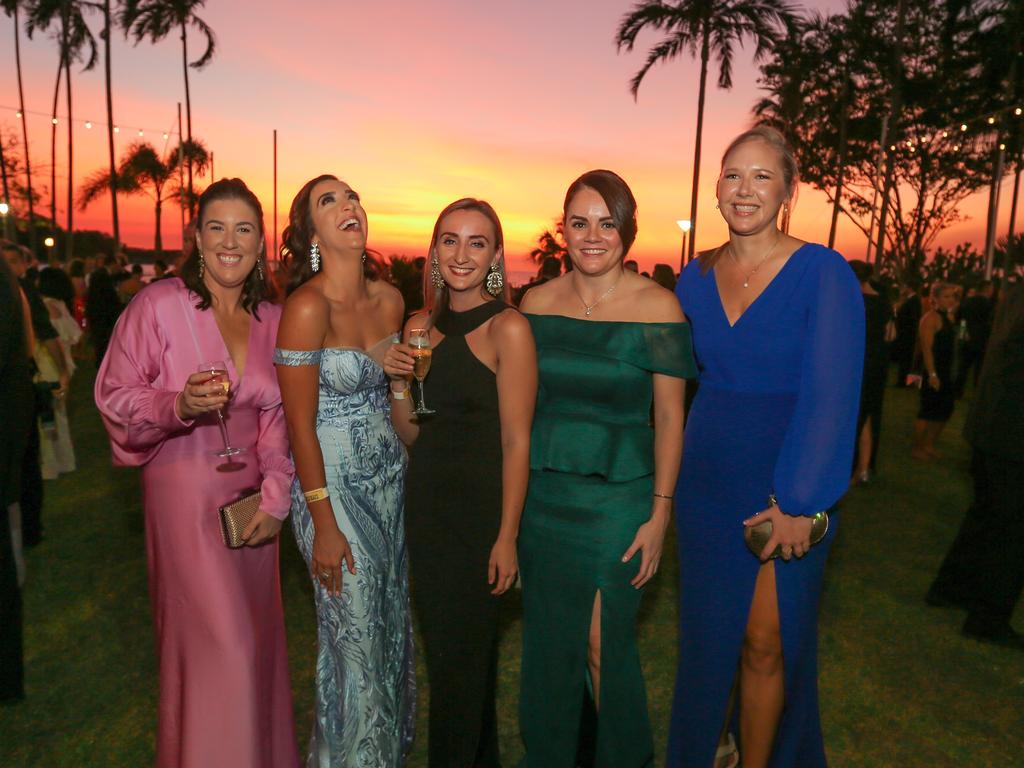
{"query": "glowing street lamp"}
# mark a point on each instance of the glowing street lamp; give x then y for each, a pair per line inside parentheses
(685, 225)
(4, 210)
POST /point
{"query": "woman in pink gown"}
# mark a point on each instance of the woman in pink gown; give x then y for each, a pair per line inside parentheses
(225, 694)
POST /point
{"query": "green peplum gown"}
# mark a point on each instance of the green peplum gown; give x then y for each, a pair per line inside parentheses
(591, 485)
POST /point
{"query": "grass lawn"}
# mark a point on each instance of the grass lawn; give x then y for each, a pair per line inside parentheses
(899, 685)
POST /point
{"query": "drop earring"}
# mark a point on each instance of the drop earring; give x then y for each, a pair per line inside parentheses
(314, 257)
(495, 281)
(435, 274)
(202, 265)
(259, 269)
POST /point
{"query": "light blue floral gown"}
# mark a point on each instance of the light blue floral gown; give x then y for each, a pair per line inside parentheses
(365, 684)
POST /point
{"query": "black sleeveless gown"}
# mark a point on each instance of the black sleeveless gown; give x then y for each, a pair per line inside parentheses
(453, 513)
(938, 405)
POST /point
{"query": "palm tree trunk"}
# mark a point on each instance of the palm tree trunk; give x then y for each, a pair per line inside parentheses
(110, 127)
(53, 144)
(841, 169)
(24, 135)
(69, 240)
(705, 50)
(894, 112)
(188, 110)
(158, 245)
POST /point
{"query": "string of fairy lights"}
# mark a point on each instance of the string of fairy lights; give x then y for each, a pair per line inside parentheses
(89, 124)
(990, 124)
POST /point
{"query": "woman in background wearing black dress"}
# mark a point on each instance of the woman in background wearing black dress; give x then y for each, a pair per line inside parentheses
(938, 346)
(468, 470)
(878, 316)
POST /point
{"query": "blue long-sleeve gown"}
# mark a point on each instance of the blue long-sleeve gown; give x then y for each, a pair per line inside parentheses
(775, 412)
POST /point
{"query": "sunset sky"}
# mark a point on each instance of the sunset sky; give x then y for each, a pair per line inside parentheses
(415, 105)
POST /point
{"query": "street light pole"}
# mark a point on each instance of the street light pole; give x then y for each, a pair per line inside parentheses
(685, 225)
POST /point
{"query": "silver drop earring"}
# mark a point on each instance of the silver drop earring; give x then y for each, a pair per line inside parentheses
(435, 274)
(259, 269)
(495, 282)
(202, 265)
(314, 257)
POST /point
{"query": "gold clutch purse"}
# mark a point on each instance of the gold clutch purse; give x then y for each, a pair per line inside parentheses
(757, 535)
(236, 516)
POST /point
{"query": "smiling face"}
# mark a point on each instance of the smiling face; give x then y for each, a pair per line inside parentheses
(339, 221)
(591, 237)
(230, 240)
(752, 187)
(465, 249)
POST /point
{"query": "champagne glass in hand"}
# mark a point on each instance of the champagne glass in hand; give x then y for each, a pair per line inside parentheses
(419, 341)
(219, 375)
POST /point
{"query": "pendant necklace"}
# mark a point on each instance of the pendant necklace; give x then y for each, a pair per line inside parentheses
(751, 273)
(588, 308)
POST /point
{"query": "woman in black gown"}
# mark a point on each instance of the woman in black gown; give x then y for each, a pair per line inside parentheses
(468, 471)
(877, 318)
(938, 348)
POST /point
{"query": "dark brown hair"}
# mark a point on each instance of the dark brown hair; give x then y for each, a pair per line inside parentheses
(297, 239)
(256, 289)
(435, 300)
(616, 195)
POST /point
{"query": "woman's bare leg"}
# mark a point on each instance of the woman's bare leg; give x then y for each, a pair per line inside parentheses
(594, 651)
(864, 444)
(762, 686)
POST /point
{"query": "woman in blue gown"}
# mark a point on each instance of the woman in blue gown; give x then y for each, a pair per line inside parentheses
(778, 331)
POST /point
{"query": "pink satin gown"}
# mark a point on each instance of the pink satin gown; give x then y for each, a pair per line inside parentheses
(225, 694)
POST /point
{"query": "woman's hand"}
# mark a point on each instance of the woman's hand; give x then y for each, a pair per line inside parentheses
(503, 565)
(648, 540)
(934, 381)
(330, 550)
(261, 529)
(199, 397)
(398, 362)
(791, 533)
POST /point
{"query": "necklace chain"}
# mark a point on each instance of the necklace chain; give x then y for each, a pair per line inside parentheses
(588, 308)
(751, 273)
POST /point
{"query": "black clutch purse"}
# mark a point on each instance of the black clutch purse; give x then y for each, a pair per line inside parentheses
(757, 535)
(236, 516)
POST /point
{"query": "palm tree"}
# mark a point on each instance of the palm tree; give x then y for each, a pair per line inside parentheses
(155, 20)
(75, 43)
(105, 34)
(703, 28)
(143, 171)
(11, 9)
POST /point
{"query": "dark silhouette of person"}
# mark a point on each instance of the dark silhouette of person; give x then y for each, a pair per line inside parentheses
(17, 418)
(102, 308)
(976, 314)
(984, 568)
(908, 315)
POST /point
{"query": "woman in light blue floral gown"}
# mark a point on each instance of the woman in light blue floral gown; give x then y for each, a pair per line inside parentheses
(350, 473)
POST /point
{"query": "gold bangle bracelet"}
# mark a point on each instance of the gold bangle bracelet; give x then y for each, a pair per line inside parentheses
(316, 495)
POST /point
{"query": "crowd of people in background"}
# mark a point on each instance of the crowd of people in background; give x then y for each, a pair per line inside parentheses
(331, 413)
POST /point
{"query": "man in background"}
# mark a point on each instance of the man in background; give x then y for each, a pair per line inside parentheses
(984, 569)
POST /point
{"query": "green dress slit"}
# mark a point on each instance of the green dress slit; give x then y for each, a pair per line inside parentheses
(591, 480)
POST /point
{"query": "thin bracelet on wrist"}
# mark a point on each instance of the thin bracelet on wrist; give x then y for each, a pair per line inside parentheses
(662, 496)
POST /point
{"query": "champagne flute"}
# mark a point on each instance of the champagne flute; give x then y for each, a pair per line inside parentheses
(219, 375)
(419, 341)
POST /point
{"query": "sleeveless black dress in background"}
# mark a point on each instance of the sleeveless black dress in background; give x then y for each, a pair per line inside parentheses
(938, 405)
(453, 513)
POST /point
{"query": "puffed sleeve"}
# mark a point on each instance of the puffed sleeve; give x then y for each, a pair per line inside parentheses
(813, 468)
(137, 414)
(276, 466)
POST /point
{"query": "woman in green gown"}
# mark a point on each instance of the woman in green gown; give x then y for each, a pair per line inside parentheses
(602, 476)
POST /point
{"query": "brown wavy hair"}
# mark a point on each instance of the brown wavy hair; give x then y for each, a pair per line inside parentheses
(255, 290)
(616, 195)
(297, 239)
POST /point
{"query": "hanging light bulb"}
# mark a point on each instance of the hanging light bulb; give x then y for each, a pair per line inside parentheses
(53, 120)
(956, 147)
(991, 121)
(1018, 111)
(1002, 146)
(140, 132)
(88, 124)
(116, 129)
(963, 127)
(892, 148)
(18, 114)
(165, 136)
(945, 134)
